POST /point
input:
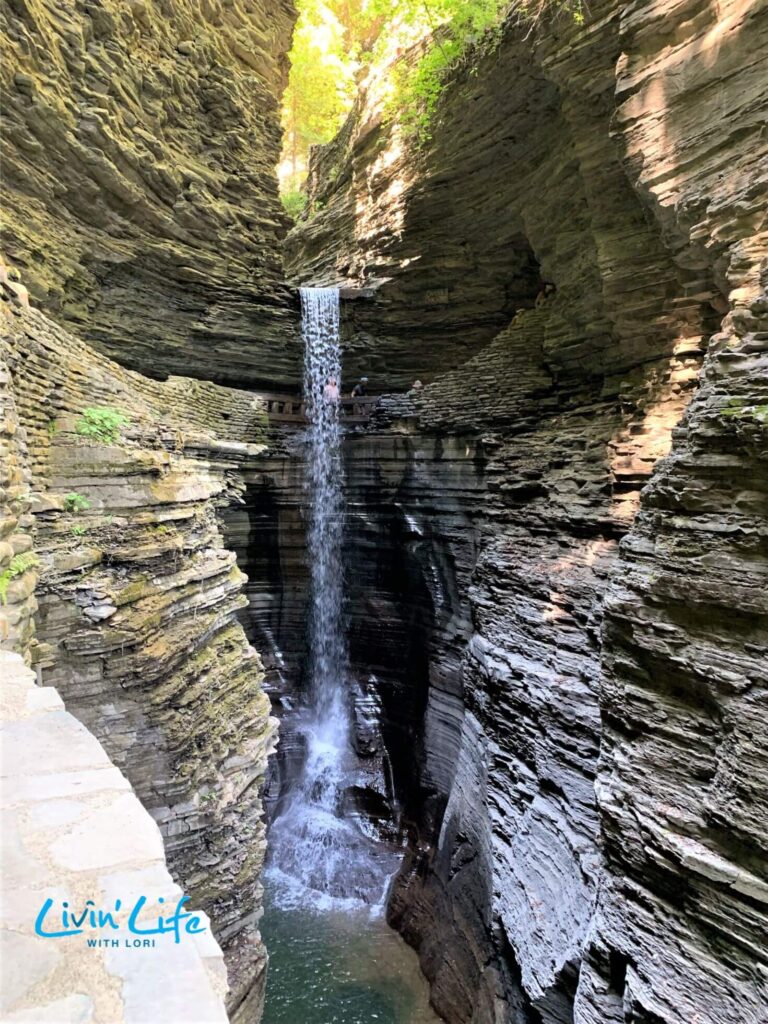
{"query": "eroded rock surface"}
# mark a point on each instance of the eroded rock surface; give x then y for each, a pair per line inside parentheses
(681, 927)
(18, 562)
(139, 195)
(137, 624)
(572, 697)
(622, 162)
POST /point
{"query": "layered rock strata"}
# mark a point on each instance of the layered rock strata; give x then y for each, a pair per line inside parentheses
(18, 562)
(682, 919)
(507, 532)
(139, 146)
(480, 532)
(681, 926)
(138, 599)
(622, 162)
(521, 184)
(521, 649)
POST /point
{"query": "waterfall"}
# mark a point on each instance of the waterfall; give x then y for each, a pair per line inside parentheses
(320, 853)
(325, 479)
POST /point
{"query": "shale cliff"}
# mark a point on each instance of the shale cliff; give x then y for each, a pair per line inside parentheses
(136, 606)
(583, 716)
(141, 214)
(140, 201)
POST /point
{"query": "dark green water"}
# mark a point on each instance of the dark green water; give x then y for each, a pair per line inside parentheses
(340, 967)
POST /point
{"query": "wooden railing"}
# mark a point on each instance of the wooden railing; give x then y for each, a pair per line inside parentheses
(290, 409)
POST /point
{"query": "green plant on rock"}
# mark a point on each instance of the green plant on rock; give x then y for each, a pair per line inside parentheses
(737, 408)
(294, 203)
(18, 566)
(749, 422)
(101, 423)
(74, 502)
(78, 530)
(458, 33)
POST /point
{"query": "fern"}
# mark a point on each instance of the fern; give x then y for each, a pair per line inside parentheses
(74, 502)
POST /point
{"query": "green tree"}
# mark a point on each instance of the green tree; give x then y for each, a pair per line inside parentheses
(321, 86)
(334, 40)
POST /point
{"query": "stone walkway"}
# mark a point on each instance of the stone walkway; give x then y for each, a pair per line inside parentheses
(73, 830)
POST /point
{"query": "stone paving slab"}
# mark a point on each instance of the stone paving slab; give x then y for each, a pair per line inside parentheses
(73, 831)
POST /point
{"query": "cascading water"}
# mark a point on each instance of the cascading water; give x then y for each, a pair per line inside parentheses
(320, 852)
(332, 955)
(325, 479)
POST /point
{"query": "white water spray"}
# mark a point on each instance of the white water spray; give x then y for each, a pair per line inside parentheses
(319, 853)
(325, 479)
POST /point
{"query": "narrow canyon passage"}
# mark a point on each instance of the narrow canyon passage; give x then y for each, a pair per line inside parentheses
(334, 841)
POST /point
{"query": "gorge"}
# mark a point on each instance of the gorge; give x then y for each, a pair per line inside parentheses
(535, 553)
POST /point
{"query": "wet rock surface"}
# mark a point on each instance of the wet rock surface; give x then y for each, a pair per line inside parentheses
(553, 874)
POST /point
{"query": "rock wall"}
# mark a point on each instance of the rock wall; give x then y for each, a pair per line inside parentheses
(18, 563)
(622, 162)
(682, 920)
(476, 555)
(529, 636)
(140, 199)
(512, 527)
(521, 184)
(141, 211)
(138, 598)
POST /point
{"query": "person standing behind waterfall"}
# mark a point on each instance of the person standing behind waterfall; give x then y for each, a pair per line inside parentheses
(331, 390)
(360, 390)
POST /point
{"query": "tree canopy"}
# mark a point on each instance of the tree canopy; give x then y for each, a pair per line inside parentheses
(335, 41)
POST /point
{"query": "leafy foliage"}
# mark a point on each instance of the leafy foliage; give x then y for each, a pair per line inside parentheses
(101, 423)
(336, 41)
(74, 502)
(18, 566)
(294, 203)
(457, 30)
(321, 84)
(456, 27)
